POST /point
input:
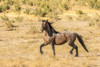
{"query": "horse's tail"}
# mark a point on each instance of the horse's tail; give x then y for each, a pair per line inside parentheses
(81, 41)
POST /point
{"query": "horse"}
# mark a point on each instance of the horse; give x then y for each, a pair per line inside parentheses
(53, 37)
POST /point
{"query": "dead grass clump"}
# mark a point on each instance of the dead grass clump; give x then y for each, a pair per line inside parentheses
(32, 30)
(79, 12)
(94, 4)
(8, 25)
(19, 19)
(27, 11)
(4, 18)
(40, 12)
(91, 24)
(4, 7)
(70, 18)
(82, 16)
(95, 21)
(17, 7)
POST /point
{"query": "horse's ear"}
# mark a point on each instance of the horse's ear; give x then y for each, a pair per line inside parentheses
(46, 20)
(42, 20)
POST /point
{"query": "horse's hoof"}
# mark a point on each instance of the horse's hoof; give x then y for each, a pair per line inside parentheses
(71, 52)
(76, 55)
(41, 53)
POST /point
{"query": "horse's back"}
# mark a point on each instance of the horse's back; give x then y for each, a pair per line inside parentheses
(63, 37)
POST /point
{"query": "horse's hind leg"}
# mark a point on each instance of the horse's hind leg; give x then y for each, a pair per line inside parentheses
(76, 50)
(71, 43)
(74, 47)
(71, 51)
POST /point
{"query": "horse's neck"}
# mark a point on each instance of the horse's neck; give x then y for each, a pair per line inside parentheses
(54, 31)
(45, 33)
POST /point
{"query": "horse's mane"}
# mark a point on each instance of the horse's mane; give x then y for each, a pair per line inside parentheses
(52, 29)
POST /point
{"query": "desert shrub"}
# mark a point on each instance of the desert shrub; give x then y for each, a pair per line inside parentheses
(4, 18)
(95, 21)
(94, 4)
(19, 19)
(24, 1)
(79, 12)
(40, 12)
(91, 23)
(4, 7)
(64, 6)
(45, 7)
(32, 30)
(97, 5)
(17, 7)
(69, 18)
(91, 3)
(27, 11)
(53, 16)
(30, 3)
(82, 16)
(1, 9)
(8, 25)
(10, 2)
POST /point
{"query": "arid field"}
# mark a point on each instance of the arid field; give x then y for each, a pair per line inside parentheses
(21, 37)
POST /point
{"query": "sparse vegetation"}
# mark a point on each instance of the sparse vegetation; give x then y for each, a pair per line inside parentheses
(8, 25)
(94, 4)
(4, 7)
(32, 30)
(21, 36)
(17, 7)
(79, 12)
(19, 19)
(4, 18)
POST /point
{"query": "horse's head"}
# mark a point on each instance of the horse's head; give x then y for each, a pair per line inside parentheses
(45, 25)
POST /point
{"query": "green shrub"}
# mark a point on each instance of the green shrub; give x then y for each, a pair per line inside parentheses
(45, 7)
(30, 3)
(94, 4)
(40, 12)
(27, 11)
(9, 26)
(17, 7)
(79, 12)
(19, 19)
(5, 18)
(4, 7)
(91, 3)
(1, 9)
(64, 6)
(32, 30)
(97, 5)
(10, 2)
(24, 1)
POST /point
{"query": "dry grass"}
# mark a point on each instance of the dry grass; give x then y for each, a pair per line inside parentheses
(20, 47)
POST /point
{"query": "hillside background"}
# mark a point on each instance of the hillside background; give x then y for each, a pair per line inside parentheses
(21, 37)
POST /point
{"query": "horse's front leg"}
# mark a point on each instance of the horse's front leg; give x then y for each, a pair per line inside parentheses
(41, 48)
(53, 47)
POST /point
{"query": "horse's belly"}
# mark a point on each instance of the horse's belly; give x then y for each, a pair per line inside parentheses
(60, 41)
